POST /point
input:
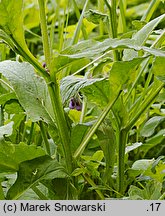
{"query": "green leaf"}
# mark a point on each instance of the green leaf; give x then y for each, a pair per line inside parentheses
(71, 85)
(12, 155)
(142, 35)
(32, 171)
(97, 92)
(150, 126)
(12, 31)
(79, 171)
(30, 89)
(92, 49)
(154, 140)
(6, 97)
(152, 191)
(7, 164)
(13, 107)
(21, 152)
(132, 147)
(11, 20)
(142, 164)
(95, 16)
(31, 14)
(123, 72)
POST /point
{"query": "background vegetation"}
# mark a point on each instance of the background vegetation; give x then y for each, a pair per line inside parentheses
(82, 97)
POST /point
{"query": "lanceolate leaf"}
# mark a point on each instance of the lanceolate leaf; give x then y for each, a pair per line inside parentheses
(91, 49)
(141, 36)
(33, 171)
(30, 89)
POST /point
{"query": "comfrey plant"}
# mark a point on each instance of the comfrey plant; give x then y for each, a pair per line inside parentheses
(61, 145)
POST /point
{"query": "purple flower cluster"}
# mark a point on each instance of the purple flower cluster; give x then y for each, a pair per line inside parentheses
(75, 104)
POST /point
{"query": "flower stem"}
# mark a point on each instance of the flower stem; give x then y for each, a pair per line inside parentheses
(53, 88)
(44, 31)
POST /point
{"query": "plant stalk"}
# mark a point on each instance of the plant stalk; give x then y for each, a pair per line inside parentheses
(113, 23)
(122, 141)
(54, 92)
(45, 39)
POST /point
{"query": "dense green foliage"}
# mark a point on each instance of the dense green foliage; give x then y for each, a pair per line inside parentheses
(82, 99)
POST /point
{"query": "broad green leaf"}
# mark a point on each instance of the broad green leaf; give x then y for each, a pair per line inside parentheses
(97, 92)
(11, 18)
(13, 107)
(152, 191)
(6, 97)
(74, 115)
(32, 171)
(149, 127)
(7, 164)
(71, 85)
(6, 130)
(30, 89)
(142, 35)
(21, 152)
(13, 154)
(12, 31)
(11, 22)
(31, 14)
(123, 72)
